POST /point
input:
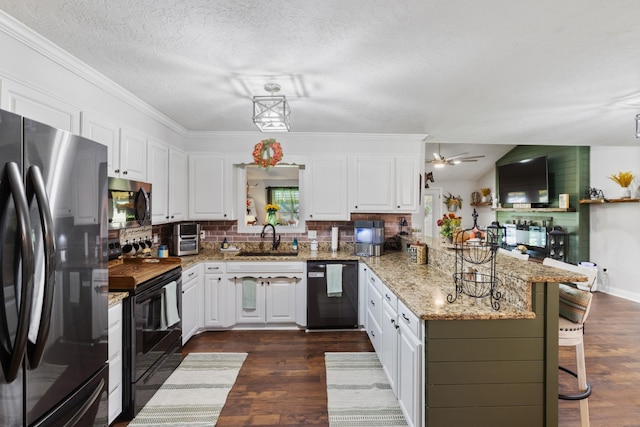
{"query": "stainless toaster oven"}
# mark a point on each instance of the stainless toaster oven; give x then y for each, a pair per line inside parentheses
(186, 239)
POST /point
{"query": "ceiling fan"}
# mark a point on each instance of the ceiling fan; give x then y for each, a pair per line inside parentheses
(439, 161)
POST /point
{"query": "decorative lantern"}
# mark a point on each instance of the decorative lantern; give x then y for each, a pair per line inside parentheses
(500, 231)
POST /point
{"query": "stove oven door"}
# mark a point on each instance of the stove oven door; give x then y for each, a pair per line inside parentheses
(157, 324)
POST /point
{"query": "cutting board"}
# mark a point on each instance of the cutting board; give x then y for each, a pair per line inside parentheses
(133, 271)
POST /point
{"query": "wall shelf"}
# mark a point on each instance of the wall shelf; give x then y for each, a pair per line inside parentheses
(602, 201)
(480, 204)
(535, 209)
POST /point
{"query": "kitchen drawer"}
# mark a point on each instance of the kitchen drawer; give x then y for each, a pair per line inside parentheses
(214, 267)
(410, 320)
(265, 267)
(374, 331)
(374, 304)
(190, 277)
(390, 298)
(373, 280)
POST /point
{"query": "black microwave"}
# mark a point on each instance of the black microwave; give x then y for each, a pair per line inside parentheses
(129, 203)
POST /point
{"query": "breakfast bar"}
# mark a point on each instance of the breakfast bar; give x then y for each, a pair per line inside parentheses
(464, 360)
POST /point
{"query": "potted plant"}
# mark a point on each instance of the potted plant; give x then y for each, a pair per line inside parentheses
(452, 202)
(449, 224)
(485, 194)
(623, 179)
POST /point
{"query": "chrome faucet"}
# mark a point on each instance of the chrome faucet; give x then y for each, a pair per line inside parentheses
(275, 243)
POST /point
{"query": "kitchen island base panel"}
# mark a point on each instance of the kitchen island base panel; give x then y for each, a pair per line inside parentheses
(495, 372)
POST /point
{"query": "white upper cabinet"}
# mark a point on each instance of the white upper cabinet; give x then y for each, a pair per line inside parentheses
(38, 106)
(208, 187)
(407, 183)
(168, 177)
(158, 176)
(372, 184)
(177, 185)
(133, 156)
(327, 189)
(383, 184)
(106, 133)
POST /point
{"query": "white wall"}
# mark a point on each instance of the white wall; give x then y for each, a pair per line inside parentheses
(615, 227)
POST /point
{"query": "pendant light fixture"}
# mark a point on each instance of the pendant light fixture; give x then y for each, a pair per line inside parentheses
(271, 113)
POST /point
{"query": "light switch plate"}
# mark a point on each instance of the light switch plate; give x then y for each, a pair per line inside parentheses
(203, 234)
(312, 234)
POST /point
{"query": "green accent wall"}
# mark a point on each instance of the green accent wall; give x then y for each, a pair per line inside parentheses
(495, 372)
(568, 173)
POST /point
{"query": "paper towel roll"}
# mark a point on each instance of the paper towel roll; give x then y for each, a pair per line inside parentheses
(334, 239)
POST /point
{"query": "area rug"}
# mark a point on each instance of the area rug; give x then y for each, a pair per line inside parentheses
(358, 392)
(195, 393)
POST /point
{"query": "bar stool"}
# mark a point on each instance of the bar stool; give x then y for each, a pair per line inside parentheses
(574, 308)
(572, 334)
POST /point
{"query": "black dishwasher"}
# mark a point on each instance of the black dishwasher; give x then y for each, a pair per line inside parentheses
(332, 305)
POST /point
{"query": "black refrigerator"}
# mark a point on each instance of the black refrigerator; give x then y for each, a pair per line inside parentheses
(53, 276)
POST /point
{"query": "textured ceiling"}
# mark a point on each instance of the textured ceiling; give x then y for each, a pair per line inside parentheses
(465, 71)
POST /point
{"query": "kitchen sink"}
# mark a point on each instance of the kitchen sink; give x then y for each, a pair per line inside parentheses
(267, 254)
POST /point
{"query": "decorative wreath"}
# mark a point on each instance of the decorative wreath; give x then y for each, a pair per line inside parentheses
(267, 152)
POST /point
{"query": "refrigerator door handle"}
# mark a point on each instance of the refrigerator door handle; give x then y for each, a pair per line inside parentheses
(11, 356)
(36, 187)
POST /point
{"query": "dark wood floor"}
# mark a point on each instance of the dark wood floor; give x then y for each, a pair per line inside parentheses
(282, 382)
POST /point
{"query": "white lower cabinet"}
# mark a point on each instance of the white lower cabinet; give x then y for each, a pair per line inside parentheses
(374, 311)
(410, 377)
(192, 306)
(266, 292)
(398, 341)
(389, 353)
(219, 296)
(115, 361)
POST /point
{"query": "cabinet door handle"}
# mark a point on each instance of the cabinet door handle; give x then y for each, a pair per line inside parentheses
(125, 172)
(213, 268)
(372, 334)
(406, 318)
(373, 303)
(387, 297)
(117, 171)
(190, 274)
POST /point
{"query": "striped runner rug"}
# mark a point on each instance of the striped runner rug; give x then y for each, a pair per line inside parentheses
(358, 392)
(195, 392)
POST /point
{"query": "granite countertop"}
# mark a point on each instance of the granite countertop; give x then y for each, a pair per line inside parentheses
(424, 288)
(116, 297)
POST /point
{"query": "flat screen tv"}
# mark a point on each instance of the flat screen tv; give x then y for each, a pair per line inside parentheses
(526, 181)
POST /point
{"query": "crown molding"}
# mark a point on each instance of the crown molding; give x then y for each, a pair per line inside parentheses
(33, 40)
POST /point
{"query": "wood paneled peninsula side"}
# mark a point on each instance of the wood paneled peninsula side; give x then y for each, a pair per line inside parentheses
(483, 367)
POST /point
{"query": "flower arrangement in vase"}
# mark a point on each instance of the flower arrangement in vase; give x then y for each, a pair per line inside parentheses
(271, 210)
(485, 194)
(623, 179)
(449, 224)
(452, 202)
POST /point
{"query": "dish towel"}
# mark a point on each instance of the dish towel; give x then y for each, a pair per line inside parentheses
(334, 280)
(249, 285)
(171, 304)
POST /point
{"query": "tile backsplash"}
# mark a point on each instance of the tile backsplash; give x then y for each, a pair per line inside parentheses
(217, 231)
